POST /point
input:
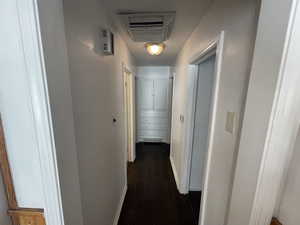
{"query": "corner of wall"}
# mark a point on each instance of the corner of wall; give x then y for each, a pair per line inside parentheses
(120, 205)
(175, 173)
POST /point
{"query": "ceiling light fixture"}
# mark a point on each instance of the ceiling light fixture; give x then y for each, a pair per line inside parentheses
(155, 48)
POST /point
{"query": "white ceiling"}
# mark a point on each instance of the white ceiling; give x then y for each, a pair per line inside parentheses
(188, 15)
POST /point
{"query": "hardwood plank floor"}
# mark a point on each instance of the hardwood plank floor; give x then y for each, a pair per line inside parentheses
(152, 197)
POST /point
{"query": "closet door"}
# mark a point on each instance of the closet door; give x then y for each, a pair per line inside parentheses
(153, 105)
(145, 92)
(161, 95)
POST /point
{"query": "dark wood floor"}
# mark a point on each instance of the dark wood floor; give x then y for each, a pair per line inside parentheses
(152, 197)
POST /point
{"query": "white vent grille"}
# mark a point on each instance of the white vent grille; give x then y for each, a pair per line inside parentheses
(148, 26)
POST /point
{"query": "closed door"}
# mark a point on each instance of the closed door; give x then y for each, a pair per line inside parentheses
(153, 109)
(145, 93)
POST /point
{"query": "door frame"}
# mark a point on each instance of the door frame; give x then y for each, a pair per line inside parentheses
(214, 48)
(162, 75)
(131, 154)
(41, 109)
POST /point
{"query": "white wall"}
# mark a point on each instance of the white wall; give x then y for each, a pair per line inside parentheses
(4, 218)
(271, 115)
(97, 93)
(58, 81)
(154, 101)
(290, 200)
(239, 20)
(202, 116)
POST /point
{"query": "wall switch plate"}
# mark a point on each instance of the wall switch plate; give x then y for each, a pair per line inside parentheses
(230, 122)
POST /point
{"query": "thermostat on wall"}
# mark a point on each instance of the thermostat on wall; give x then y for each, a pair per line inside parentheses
(108, 42)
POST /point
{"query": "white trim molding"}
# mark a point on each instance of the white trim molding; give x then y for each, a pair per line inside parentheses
(283, 127)
(195, 189)
(119, 209)
(175, 174)
(35, 68)
(130, 157)
(271, 116)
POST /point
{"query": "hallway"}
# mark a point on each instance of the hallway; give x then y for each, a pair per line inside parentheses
(152, 197)
(136, 112)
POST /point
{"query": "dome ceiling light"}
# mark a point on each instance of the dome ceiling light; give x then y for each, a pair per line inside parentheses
(155, 48)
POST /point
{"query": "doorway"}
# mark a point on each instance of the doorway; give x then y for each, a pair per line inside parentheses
(129, 108)
(206, 70)
(203, 88)
(205, 81)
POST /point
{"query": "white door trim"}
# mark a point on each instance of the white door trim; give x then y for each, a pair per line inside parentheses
(262, 209)
(132, 153)
(215, 47)
(37, 82)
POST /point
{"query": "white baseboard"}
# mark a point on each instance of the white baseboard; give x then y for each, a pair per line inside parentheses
(132, 160)
(195, 188)
(175, 174)
(119, 209)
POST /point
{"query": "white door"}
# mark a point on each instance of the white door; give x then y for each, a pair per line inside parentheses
(145, 92)
(153, 109)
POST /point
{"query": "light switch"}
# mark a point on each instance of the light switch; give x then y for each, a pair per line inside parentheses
(230, 122)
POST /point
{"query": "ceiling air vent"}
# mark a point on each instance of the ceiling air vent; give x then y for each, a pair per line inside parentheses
(148, 26)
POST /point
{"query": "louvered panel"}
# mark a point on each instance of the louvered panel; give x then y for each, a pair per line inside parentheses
(148, 26)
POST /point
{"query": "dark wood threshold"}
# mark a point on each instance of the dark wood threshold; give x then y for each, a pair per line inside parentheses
(275, 221)
(27, 216)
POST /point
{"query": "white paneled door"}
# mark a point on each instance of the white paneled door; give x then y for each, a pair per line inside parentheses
(153, 109)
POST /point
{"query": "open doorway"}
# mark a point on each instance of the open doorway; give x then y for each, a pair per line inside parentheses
(203, 102)
(203, 87)
(205, 82)
(129, 108)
